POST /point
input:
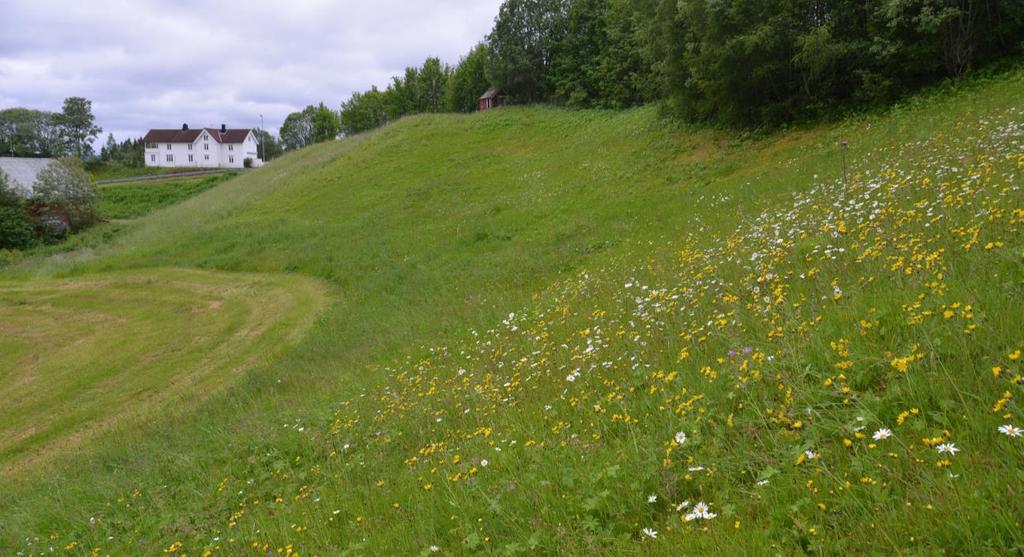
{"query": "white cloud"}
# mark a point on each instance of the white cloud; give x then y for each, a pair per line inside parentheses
(147, 63)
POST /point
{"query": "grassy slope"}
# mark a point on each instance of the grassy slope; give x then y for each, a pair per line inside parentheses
(365, 438)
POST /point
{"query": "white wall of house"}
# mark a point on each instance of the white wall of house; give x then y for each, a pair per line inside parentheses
(171, 155)
(205, 152)
(251, 150)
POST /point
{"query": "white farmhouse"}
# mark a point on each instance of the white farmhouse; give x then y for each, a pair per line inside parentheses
(201, 148)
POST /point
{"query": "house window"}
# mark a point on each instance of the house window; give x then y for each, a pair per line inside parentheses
(152, 158)
(206, 157)
(168, 146)
(170, 158)
(189, 146)
(205, 136)
(151, 146)
(190, 158)
(231, 147)
(206, 146)
(231, 159)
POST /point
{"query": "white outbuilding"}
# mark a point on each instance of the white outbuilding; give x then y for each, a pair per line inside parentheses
(202, 148)
(21, 172)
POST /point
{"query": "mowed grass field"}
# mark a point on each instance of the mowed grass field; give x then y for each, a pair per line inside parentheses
(83, 356)
(587, 332)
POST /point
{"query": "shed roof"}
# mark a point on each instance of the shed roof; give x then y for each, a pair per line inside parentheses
(491, 93)
(23, 171)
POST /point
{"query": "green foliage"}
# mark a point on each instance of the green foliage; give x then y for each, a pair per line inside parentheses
(297, 129)
(269, 147)
(26, 132)
(523, 46)
(770, 61)
(745, 63)
(325, 124)
(430, 86)
(748, 62)
(29, 133)
(16, 230)
(78, 126)
(129, 153)
(468, 81)
(425, 89)
(126, 201)
(63, 189)
(15, 227)
(600, 61)
(313, 124)
(364, 111)
(8, 197)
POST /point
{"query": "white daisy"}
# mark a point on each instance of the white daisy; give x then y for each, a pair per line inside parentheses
(680, 437)
(683, 505)
(881, 434)
(947, 448)
(652, 498)
(1011, 430)
(650, 532)
(484, 463)
(700, 511)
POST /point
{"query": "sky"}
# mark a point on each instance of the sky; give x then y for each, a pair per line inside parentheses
(158, 64)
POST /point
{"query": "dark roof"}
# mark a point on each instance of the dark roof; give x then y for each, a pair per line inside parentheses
(171, 136)
(229, 136)
(491, 93)
(189, 136)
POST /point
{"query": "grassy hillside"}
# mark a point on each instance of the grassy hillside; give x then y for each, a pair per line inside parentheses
(562, 332)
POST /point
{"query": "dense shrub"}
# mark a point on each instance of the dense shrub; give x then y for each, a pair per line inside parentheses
(64, 192)
(15, 226)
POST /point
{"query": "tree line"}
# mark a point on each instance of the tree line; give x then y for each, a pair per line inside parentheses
(25, 132)
(743, 63)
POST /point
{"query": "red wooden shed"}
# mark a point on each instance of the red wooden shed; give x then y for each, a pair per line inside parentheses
(493, 98)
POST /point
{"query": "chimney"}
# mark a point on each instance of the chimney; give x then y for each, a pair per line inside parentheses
(223, 128)
(184, 127)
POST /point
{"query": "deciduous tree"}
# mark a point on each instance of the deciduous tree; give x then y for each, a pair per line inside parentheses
(78, 126)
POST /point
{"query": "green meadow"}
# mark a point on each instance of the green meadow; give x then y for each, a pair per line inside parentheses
(541, 331)
(136, 199)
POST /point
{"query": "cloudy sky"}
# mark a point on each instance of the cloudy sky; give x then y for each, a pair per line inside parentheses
(150, 64)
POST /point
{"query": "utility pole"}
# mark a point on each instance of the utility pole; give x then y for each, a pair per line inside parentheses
(844, 145)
